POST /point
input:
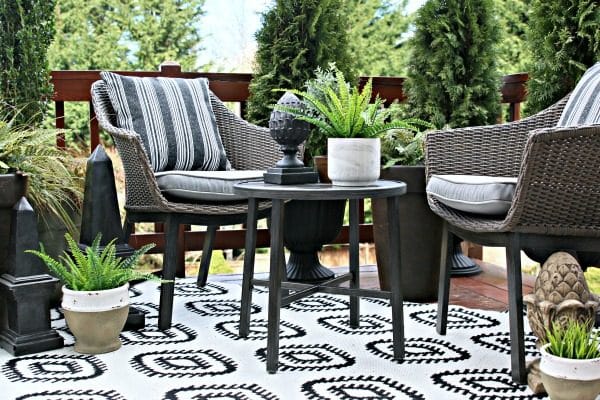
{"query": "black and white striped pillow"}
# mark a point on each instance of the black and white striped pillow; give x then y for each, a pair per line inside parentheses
(583, 107)
(173, 117)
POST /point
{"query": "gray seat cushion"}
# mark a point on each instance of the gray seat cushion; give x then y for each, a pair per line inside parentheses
(487, 195)
(204, 185)
(173, 117)
(583, 107)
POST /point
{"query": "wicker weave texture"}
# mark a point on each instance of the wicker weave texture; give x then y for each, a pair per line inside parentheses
(558, 170)
(247, 147)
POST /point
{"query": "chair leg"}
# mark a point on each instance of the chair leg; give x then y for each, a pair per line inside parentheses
(167, 289)
(446, 250)
(515, 309)
(209, 239)
(249, 255)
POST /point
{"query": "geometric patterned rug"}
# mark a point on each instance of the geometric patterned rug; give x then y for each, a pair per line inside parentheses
(321, 357)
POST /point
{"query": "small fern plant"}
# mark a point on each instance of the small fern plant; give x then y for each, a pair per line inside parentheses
(342, 110)
(94, 269)
(575, 341)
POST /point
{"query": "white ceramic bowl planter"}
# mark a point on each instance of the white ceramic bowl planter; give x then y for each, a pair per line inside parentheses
(96, 318)
(353, 161)
(566, 378)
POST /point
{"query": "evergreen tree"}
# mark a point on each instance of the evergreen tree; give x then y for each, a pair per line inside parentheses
(565, 41)
(297, 36)
(376, 36)
(122, 35)
(452, 77)
(514, 54)
(126, 34)
(27, 30)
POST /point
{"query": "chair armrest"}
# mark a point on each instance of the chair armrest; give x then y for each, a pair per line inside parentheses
(494, 150)
(248, 146)
(140, 184)
(558, 191)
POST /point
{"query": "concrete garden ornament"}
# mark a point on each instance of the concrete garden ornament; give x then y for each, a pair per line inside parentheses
(561, 296)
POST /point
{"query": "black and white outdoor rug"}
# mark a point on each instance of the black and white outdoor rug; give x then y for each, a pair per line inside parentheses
(321, 357)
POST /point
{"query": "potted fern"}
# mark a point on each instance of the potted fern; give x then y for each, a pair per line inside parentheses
(95, 291)
(351, 123)
(570, 362)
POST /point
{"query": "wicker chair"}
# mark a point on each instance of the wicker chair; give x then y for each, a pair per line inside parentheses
(248, 147)
(556, 204)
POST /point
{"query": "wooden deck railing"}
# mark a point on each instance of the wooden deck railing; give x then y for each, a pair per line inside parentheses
(74, 86)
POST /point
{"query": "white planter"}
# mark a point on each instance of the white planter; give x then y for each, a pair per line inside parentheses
(353, 162)
(97, 300)
(96, 318)
(566, 378)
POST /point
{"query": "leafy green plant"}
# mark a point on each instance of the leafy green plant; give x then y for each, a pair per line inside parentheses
(54, 188)
(343, 110)
(575, 340)
(94, 269)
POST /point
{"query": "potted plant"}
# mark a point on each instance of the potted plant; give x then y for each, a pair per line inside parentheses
(570, 363)
(95, 291)
(420, 236)
(351, 123)
(54, 188)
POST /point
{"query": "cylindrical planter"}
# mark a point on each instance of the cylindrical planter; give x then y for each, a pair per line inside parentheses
(569, 379)
(420, 237)
(96, 318)
(353, 161)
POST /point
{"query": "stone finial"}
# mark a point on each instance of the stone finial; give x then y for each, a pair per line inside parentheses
(560, 294)
(288, 131)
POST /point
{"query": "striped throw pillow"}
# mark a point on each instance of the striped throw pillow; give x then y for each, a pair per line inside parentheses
(173, 117)
(583, 107)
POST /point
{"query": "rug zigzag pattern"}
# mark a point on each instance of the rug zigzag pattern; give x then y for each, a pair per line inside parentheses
(321, 356)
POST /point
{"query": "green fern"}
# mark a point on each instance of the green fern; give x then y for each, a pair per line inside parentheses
(94, 269)
(342, 110)
(575, 341)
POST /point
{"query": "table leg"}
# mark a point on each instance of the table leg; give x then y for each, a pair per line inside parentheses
(354, 263)
(249, 253)
(393, 206)
(275, 277)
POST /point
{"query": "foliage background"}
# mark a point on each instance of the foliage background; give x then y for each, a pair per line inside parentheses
(27, 30)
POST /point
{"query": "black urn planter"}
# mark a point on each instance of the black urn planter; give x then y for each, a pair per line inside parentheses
(420, 237)
(12, 188)
(309, 225)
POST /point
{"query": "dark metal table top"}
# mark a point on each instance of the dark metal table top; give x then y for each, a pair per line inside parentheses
(319, 191)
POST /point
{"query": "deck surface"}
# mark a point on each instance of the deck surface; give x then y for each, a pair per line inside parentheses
(485, 291)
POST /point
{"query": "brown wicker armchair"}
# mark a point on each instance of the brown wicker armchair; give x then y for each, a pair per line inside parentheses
(248, 147)
(556, 203)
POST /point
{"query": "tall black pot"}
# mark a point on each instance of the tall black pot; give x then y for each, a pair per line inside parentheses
(420, 237)
(12, 188)
(309, 225)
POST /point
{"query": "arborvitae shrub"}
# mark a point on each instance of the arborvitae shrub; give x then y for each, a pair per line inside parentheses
(565, 40)
(452, 74)
(297, 36)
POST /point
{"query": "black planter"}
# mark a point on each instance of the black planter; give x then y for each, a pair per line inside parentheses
(420, 237)
(309, 225)
(12, 188)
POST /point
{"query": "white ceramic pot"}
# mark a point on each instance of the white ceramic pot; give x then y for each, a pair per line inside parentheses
(96, 318)
(566, 378)
(353, 162)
